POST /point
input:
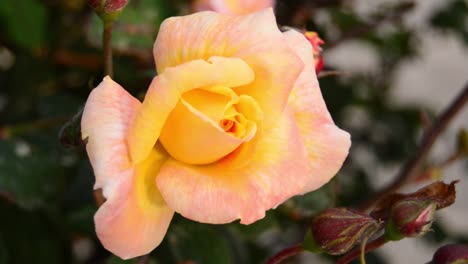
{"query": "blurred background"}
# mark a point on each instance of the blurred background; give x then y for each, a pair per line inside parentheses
(399, 64)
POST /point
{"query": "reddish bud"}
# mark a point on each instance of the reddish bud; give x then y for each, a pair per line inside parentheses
(451, 254)
(108, 10)
(316, 42)
(336, 230)
(410, 218)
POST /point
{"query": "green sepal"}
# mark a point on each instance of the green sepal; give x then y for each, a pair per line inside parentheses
(310, 244)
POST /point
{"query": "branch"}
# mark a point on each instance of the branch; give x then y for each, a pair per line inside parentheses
(285, 253)
(391, 16)
(412, 166)
(107, 49)
(357, 251)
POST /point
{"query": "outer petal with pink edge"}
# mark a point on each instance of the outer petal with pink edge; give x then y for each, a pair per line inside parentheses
(234, 7)
(220, 193)
(134, 218)
(254, 38)
(327, 145)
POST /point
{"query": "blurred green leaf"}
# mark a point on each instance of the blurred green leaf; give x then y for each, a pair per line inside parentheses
(199, 243)
(313, 202)
(136, 29)
(3, 251)
(254, 230)
(29, 176)
(25, 22)
(30, 237)
(453, 17)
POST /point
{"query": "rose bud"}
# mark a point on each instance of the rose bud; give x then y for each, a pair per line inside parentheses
(451, 254)
(316, 42)
(108, 10)
(336, 230)
(410, 218)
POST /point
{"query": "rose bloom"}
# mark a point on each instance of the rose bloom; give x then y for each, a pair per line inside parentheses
(233, 125)
(233, 7)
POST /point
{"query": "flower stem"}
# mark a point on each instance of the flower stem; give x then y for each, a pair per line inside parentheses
(25, 128)
(107, 49)
(285, 253)
(412, 166)
(350, 256)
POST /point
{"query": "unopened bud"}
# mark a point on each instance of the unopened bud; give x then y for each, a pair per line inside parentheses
(108, 10)
(316, 42)
(451, 254)
(336, 230)
(410, 218)
(70, 132)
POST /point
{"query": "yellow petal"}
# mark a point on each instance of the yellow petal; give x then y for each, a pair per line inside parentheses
(198, 132)
(254, 38)
(191, 137)
(221, 193)
(134, 219)
(166, 91)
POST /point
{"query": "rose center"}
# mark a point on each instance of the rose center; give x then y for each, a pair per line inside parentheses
(206, 125)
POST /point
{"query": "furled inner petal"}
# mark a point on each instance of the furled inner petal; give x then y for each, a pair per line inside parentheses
(223, 192)
(205, 126)
(167, 89)
(254, 38)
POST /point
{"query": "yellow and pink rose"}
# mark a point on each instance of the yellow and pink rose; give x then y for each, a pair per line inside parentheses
(233, 125)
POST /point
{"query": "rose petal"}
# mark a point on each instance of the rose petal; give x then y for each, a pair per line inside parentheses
(254, 38)
(237, 7)
(191, 137)
(166, 90)
(134, 218)
(220, 193)
(107, 115)
(326, 144)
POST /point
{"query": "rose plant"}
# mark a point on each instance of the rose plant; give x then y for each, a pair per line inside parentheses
(233, 125)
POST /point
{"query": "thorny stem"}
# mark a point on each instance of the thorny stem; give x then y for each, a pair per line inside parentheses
(107, 49)
(324, 74)
(285, 253)
(356, 252)
(412, 166)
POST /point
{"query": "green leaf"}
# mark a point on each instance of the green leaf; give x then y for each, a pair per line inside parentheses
(25, 22)
(30, 237)
(199, 243)
(28, 176)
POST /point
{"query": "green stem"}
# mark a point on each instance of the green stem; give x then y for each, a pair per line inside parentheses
(350, 256)
(21, 129)
(107, 49)
(285, 253)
